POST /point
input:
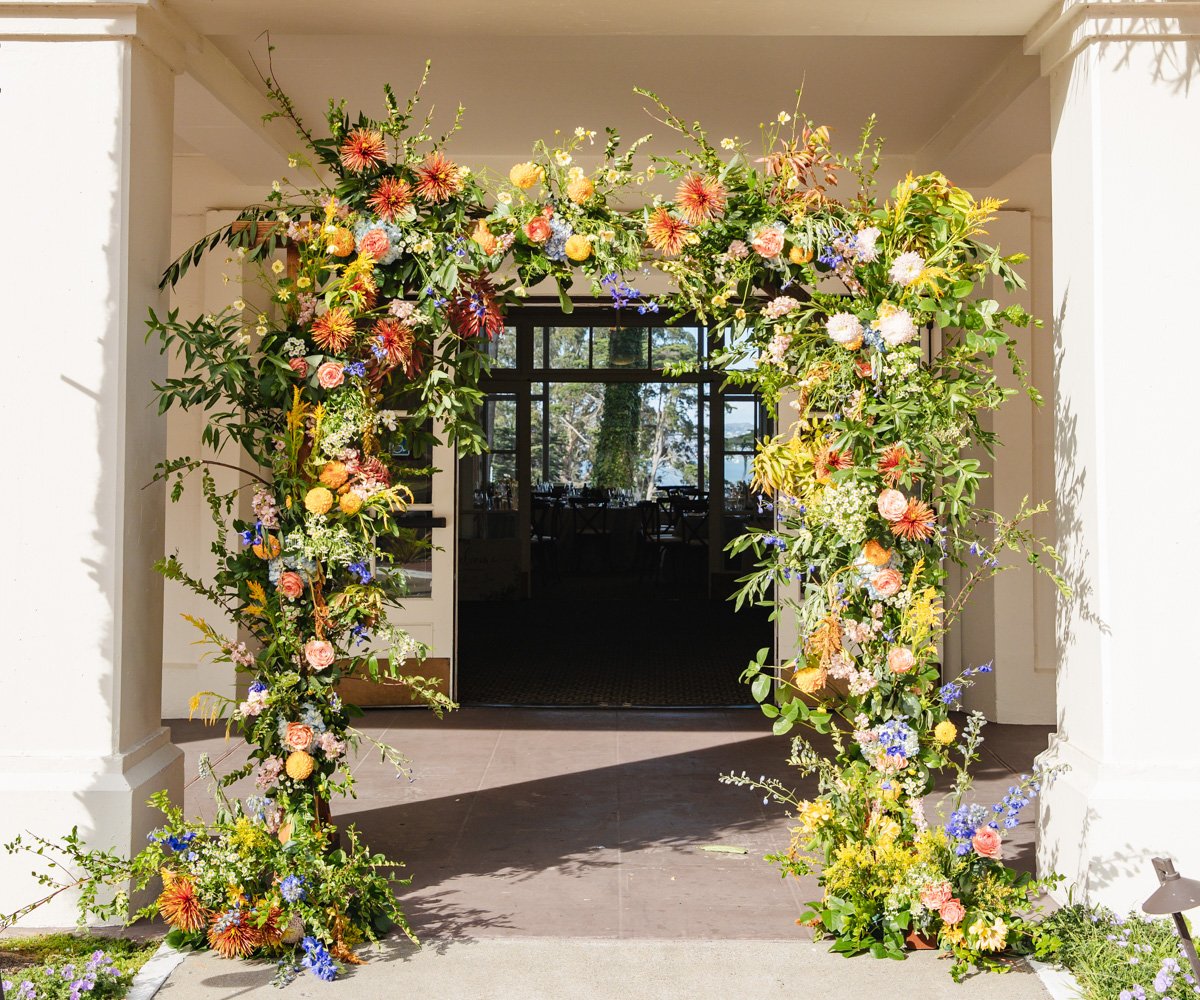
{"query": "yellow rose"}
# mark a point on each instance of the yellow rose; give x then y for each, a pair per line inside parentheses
(350, 503)
(944, 732)
(526, 175)
(578, 247)
(799, 256)
(580, 189)
(318, 500)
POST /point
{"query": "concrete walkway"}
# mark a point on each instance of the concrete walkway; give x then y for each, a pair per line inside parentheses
(538, 839)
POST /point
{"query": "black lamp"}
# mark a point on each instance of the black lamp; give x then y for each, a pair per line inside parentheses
(1174, 895)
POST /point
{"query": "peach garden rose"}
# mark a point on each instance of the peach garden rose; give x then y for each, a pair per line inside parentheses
(952, 911)
(987, 843)
(900, 659)
(375, 243)
(768, 242)
(330, 375)
(935, 894)
(892, 504)
(298, 736)
(291, 584)
(887, 583)
(319, 653)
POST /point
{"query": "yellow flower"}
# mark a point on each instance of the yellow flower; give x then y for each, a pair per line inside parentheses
(740, 314)
(303, 281)
(990, 937)
(888, 830)
(728, 143)
(798, 256)
(341, 242)
(813, 815)
(526, 175)
(580, 189)
(578, 247)
(720, 300)
(809, 680)
(350, 503)
(318, 500)
(299, 765)
(952, 934)
(945, 731)
(277, 266)
(333, 474)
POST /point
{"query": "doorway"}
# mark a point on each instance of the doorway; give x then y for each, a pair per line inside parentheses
(591, 535)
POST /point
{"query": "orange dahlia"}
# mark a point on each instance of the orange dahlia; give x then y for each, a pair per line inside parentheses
(231, 934)
(390, 197)
(179, 904)
(917, 523)
(334, 329)
(700, 199)
(667, 233)
(829, 460)
(363, 149)
(438, 179)
(398, 345)
(892, 464)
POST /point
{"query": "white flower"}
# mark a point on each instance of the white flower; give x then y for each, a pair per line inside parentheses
(783, 118)
(864, 244)
(261, 330)
(896, 327)
(293, 162)
(504, 197)
(728, 143)
(277, 266)
(239, 304)
(562, 157)
(844, 328)
(906, 268)
(580, 131)
(274, 185)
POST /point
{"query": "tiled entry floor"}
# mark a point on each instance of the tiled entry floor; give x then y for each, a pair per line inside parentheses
(588, 823)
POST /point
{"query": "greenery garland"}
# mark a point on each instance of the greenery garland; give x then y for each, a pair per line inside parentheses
(377, 288)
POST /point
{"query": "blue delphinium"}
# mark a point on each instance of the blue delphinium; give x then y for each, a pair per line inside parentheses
(963, 823)
(292, 889)
(356, 368)
(317, 959)
(361, 571)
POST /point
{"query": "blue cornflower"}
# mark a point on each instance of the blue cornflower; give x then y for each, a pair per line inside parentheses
(317, 959)
(356, 368)
(360, 569)
(292, 889)
(257, 687)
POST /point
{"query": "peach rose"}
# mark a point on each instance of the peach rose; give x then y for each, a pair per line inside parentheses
(987, 843)
(768, 242)
(952, 911)
(537, 229)
(900, 659)
(375, 243)
(887, 583)
(330, 376)
(298, 736)
(891, 503)
(319, 653)
(299, 366)
(935, 894)
(290, 584)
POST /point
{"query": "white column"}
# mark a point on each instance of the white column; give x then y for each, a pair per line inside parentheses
(1125, 149)
(89, 180)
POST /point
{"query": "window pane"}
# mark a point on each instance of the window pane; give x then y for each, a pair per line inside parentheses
(741, 427)
(669, 436)
(539, 345)
(740, 342)
(673, 344)
(408, 560)
(568, 347)
(504, 348)
(574, 418)
(619, 347)
(537, 470)
(502, 423)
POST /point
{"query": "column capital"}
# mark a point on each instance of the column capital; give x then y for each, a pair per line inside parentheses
(1071, 26)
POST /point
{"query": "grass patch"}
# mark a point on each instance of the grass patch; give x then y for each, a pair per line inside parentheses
(1122, 958)
(53, 966)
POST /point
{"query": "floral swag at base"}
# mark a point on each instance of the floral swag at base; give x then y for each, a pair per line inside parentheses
(364, 333)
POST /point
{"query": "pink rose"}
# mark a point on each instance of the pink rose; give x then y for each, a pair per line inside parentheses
(768, 242)
(319, 653)
(886, 583)
(987, 843)
(375, 243)
(330, 376)
(299, 366)
(537, 229)
(900, 660)
(935, 894)
(952, 911)
(290, 585)
(298, 736)
(891, 503)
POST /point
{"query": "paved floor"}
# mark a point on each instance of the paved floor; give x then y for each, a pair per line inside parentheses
(588, 826)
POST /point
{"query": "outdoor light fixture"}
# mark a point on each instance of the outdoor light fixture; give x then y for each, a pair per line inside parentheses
(1174, 895)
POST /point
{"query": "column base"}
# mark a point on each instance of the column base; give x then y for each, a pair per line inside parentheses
(1101, 822)
(105, 797)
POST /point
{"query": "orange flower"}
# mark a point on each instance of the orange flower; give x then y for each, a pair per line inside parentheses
(341, 242)
(876, 554)
(828, 461)
(390, 198)
(333, 330)
(363, 149)
(892, 463)
(917, 523)
(179, 904)
(482, 236)
(438, 179)
(700, 199)
(667, 233)
(398, 344)
(231, 934)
